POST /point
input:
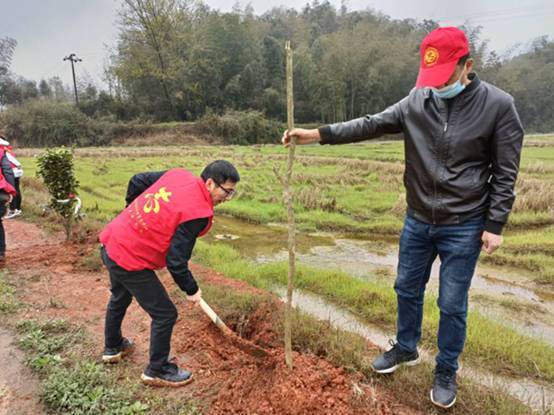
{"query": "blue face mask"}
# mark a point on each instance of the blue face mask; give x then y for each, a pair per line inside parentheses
(450, 91)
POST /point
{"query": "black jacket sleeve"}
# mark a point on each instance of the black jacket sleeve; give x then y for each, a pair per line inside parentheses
(365, 128)
(180, 251)
(7, 170)
(506, 151)
(139, 183)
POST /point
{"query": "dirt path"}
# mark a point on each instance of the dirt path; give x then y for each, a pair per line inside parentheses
(18, 386)
(226, 379)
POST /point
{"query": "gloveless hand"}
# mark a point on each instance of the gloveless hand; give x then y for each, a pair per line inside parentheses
(195, 298)
(491, 242)
(302, 135)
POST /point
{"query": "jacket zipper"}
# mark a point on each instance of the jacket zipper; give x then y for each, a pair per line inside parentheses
(435, 199)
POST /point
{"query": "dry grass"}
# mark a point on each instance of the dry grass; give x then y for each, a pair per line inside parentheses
(169, 138)
(534, 195)
(316, 200)
(538, 168)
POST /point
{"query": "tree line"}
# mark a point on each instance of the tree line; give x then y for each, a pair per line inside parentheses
(178, 60)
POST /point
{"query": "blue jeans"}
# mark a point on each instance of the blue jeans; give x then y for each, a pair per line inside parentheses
(458, 247)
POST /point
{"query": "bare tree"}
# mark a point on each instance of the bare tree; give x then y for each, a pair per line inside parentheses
(7, 47)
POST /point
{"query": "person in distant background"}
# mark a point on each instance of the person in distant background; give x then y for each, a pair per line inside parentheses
(7, 192)
(15, 205)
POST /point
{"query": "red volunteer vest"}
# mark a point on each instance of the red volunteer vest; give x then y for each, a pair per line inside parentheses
(4, 185)
(139, 237)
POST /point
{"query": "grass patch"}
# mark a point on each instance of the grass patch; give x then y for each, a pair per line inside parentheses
(45, 342)
(70, 383)
(8, 300)
(86, 388)
(510, 304)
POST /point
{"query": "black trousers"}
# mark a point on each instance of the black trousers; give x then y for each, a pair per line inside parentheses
(151, 295)
(3, 209)
(16, 201)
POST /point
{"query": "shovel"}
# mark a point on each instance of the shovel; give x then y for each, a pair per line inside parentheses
(241, 343)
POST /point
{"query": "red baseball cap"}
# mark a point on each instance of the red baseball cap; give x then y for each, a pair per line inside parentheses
(440, 51)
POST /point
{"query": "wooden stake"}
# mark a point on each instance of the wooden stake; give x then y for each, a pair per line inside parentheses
(287, 193)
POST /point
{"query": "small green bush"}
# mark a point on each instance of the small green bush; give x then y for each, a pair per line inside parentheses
(55, 167)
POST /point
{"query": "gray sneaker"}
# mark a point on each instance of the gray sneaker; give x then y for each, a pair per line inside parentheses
(444, 389)
(169, 375)
(389, 361)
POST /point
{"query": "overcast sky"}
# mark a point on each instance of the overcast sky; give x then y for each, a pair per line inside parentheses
(48, 30)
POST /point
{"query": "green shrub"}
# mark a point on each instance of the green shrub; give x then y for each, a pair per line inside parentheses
(55, 167)
(41, 123)
(241, 127)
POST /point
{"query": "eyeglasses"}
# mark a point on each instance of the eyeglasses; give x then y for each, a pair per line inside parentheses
(228, 192)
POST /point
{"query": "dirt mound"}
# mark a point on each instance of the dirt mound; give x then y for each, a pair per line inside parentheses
(227, 380)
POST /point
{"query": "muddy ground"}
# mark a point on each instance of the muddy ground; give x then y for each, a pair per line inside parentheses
(53, 284)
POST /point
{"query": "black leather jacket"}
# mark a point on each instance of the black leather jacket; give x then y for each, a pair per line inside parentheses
(461, 155)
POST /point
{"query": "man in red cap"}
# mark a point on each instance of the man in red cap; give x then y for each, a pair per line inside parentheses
(462, 143)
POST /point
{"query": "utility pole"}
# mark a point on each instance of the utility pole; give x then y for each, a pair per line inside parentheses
(73, 58)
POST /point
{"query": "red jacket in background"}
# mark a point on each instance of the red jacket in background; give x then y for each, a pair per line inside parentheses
(4, 185)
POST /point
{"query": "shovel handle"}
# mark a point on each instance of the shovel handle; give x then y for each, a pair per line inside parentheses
(240, 343)
(213, 316)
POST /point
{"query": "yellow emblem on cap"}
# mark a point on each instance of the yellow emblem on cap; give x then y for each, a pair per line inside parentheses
(431, 56)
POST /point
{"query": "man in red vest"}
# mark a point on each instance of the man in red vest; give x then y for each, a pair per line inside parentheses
(165, 213)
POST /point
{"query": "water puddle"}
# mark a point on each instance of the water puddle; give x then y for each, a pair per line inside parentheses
(251, 239)
(538, 397)
(494, 294)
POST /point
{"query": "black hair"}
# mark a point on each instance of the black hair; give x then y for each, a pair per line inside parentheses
(220, 171)
(462, 61)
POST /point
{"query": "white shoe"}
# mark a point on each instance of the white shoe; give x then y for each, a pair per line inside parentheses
(13, 213)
